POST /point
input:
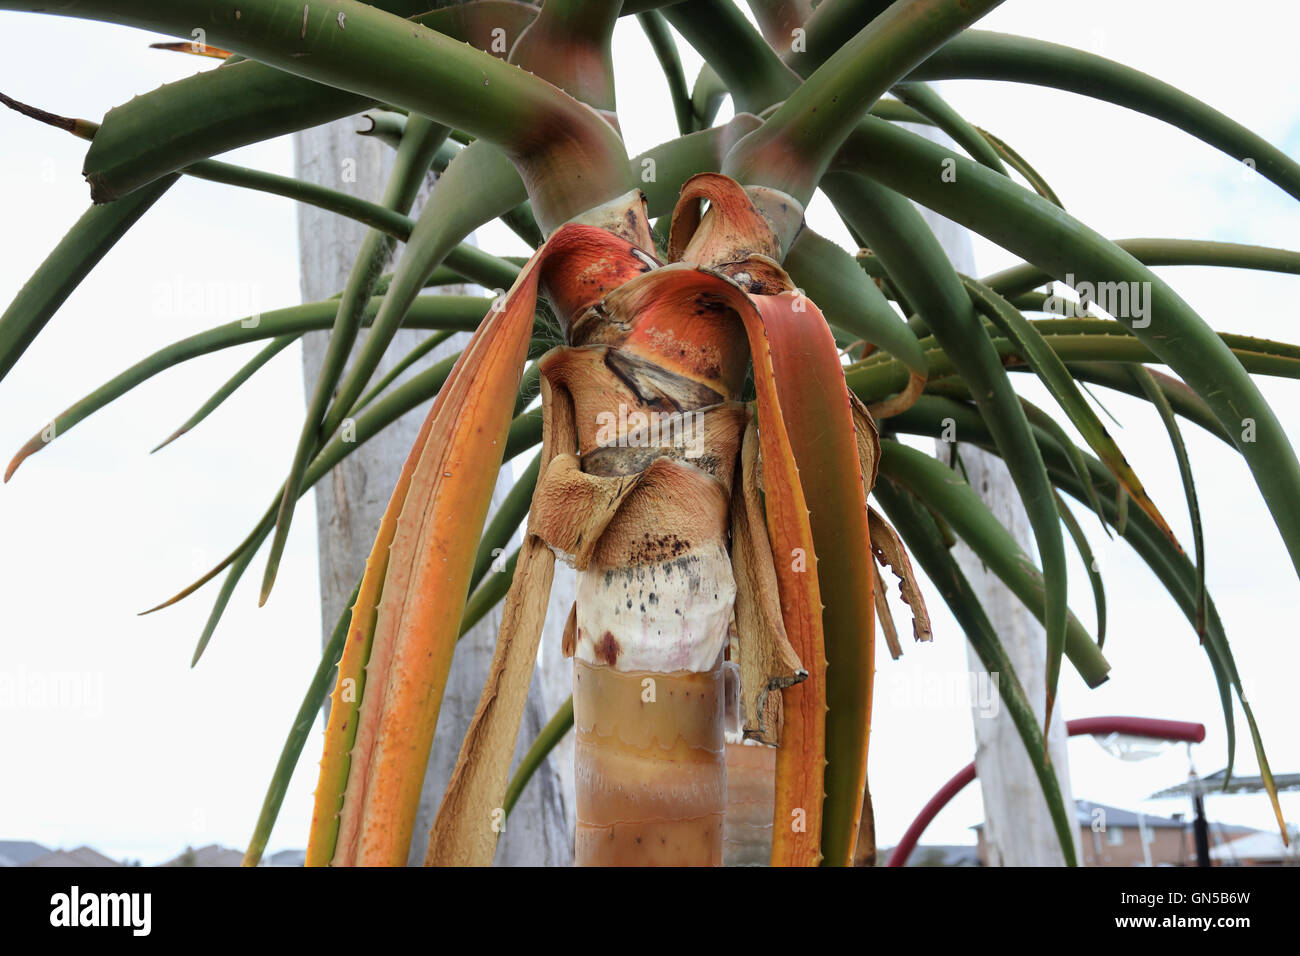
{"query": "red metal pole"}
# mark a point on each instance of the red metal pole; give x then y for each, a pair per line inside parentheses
(1177, 730)
(929, 812)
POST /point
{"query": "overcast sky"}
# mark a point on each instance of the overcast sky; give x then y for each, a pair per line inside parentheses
(150, 755)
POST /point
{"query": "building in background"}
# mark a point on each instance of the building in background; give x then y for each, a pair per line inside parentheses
(1111, 836)
(939, 854)
(82, 856)
(19, 852)
(1263, 848)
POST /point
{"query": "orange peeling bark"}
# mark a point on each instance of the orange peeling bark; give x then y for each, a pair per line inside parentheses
(395, 663)
(818, 416)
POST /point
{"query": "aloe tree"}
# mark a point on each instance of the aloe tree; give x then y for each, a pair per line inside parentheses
(722, 390)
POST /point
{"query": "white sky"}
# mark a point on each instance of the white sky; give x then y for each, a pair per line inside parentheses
(157, 756)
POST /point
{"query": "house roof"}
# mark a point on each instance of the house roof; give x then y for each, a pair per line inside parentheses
(1263, 845)
(1119, 817)
(941, 854)
(211, 855)
(18, 852)
(81, 856)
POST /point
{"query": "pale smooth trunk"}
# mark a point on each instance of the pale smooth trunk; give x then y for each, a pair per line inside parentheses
(650, 766)
(751, 801)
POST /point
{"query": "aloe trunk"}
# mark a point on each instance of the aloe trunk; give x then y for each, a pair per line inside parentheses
(658, 429)
(751, 777)
(651, 769)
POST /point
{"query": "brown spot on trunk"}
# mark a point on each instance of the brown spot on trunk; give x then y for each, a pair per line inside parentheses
(654, 548)
(607, 649)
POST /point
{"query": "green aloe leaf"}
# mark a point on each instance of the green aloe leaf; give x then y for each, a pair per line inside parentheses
(387, 126)
(1185, 402)
(525, 432)
(1021, 165)
(982, 55)
(505, 521)
(957, 503)
(489, 594)
(1085, 554)
(479, 185)
(670, 61)
(317, 691)
(831, 278)
(1044, 234)
(229, 387)
(374, 54)
(707, 95)
(734, 50)
(794, 147)
(1031, 344)
(922, 98)
(897, 112)
(1039, 418)
(1165, 252)
(36, 304)
(912, 255)
(555, 730)
(420, 142)
(1170, 565)
(1183, 582)
(1157, 398)
(1077, 342)
(404, 363)
(830, 23)
(216, 111)
(460, 313)
(86, 243)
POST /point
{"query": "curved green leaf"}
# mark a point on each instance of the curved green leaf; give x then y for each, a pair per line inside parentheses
(960, 507)
(794, 147)
(554, 731)
(983, 55)
(460, 313)
(317, 691)
(419, 143)
(922, 98)
(1157, 398)
(830, 277)
(1085, 554)
(1032, 345)
(228, 388)
(374, 54)
(914, 258)
(665, 50)
(1164, 252)
(87, 242)
(1044, 234)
